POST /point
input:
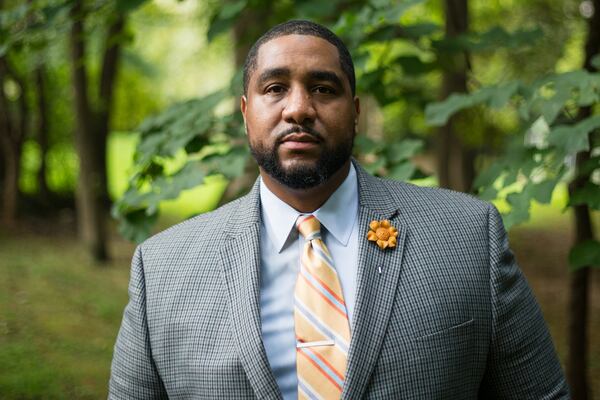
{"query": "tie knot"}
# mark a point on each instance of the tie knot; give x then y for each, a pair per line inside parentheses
(309, 226)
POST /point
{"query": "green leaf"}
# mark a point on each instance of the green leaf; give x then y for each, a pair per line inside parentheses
(492, 39)
(137, 225)
(231, 164)
(519, 211)
(585, 254)
(589, 166)
(232, 9)
(489, 193)
(596, 61)
(502, 94)
(366, 145)
(315, 9)
(374, 167)
(437, 114)
(489, 175)
(403, 150)
(550, 94)
(390, 12)
(498, 37)
(574, 138)
(225, 19)
(402, 172)
(387, 32)
(412, 65)
(589, 194)
(126, 6)
(542, 191)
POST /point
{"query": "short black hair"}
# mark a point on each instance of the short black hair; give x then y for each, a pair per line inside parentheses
(301, 27)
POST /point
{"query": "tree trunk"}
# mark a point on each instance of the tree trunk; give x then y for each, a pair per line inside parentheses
(10, 190)
(455, 161)
(91, 221)
(247, 29)
(110, 66)
(13, 127)
(579, 287)
(42, 134)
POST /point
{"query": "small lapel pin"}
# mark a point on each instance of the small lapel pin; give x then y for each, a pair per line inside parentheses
(382, 233)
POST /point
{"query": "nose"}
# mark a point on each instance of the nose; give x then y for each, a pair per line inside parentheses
(299, 107)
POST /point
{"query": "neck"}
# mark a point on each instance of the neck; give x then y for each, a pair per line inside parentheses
(306, 200)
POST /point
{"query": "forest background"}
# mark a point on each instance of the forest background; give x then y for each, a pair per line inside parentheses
(119, 118)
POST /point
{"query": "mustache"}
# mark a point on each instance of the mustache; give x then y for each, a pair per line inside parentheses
(299, 129)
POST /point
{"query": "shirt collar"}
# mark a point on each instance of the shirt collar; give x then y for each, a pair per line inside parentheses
(337, 215)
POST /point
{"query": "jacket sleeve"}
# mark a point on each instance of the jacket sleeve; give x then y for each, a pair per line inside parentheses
(522, 362)
(133, 373)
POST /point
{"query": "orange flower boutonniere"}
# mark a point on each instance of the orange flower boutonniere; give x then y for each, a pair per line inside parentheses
(383, 233)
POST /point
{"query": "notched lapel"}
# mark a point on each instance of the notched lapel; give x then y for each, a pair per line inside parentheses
(376, 292)
(240, 263)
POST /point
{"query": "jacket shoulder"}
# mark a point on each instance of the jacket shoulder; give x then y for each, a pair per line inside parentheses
(434, 201)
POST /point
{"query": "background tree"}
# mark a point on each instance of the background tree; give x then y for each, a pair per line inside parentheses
(456, 169)
(92, 126)
(558, 123)
(14, 117)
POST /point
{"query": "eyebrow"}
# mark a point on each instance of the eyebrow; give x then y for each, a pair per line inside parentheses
(318, 75)
(327, 76)
(272, 73)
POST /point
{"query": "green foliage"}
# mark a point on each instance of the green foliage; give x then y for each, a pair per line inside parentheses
(391, 160)
(585, 254)
(211, 142)
(396, 56)
(224, 19)
(535, 160)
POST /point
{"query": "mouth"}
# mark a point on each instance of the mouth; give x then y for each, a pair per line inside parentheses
(299, 141)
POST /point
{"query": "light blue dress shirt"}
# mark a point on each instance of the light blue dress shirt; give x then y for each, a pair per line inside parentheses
(280, 249)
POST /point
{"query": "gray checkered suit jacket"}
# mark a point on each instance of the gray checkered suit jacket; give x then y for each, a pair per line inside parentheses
(449, 317)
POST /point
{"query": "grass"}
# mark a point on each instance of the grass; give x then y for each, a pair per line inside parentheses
(59, 318)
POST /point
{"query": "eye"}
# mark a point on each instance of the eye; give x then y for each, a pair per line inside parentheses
(324, 90)
(275, 89)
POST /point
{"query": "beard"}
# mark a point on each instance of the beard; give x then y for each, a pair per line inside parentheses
(302, 176)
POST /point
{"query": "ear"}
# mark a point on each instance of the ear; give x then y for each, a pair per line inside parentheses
(356, 109)
(243, 107)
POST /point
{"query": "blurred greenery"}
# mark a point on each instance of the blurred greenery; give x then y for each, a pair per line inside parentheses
(177, 146)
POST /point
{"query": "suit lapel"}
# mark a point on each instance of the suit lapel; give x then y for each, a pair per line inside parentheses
(378, 274)
(240, 262)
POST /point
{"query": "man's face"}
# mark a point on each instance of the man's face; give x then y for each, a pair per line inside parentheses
(299, 111)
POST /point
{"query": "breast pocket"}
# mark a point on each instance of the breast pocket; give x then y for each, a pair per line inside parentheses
(441, 364)
(452, 330)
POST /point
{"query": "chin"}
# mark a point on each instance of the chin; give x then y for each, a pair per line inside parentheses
(298, 162)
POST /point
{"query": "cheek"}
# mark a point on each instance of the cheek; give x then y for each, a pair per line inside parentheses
(262, 116)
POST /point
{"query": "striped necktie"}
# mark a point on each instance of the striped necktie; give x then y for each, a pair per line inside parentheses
(321, 320)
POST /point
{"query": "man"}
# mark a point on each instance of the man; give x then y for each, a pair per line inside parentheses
(397, 292)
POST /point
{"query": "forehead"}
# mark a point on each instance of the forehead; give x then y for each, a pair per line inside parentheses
(298, 52)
